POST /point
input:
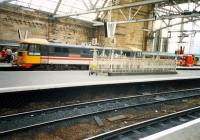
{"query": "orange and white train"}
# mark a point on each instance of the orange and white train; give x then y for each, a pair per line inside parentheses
(39, 53)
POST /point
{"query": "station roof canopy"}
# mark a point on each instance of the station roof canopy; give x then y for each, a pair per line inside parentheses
(64, 7)
(90, 10)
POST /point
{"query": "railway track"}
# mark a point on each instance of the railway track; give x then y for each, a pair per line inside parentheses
(149, 127)
(32, 119)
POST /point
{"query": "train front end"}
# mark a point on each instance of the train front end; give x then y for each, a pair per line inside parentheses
(29, 53)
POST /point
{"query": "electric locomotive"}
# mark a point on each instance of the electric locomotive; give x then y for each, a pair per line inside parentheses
(41, 54)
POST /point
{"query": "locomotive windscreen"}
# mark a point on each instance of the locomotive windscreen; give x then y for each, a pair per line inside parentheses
(23, 47)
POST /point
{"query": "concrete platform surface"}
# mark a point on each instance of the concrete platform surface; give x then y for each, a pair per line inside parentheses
(186, 131)
(188, 68)
(33, 80)
(7, 65)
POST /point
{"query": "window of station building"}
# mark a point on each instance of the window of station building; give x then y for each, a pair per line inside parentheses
(126, 53)
(118, 52)
(100, 51)
(108, 52)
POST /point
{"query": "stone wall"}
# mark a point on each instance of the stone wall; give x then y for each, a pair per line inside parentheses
(39, 25)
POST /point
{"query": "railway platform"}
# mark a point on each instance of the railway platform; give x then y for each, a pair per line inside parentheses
(12, 81)
(188, 68)
(186, 131)
(6, 65)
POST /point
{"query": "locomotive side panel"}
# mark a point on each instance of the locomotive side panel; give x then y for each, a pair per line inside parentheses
(67, 55)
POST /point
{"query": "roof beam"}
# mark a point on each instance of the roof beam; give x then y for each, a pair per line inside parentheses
(167, 10)
(123, 14)
(102, 7)
(145, 2)
(139, 8)
(91, 4)
(159, 17)
(180, 16)
(153, 19)
(176, 6)
(128, 21)
(57, 7)
(85, 4)
(193, 20)
(184, 31)
(95, 4)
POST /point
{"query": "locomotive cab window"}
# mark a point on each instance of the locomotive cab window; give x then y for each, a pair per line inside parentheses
(23, 47)
(34, 49)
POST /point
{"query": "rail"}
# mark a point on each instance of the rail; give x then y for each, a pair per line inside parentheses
(149, 127)
(21, 121)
